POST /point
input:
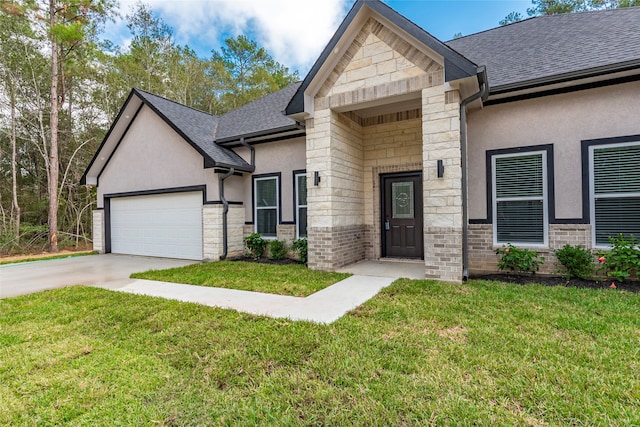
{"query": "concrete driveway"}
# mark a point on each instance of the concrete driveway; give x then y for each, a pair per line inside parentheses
(109, 271)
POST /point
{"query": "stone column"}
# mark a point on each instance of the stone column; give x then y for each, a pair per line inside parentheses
(442, 196)
(335, 206)
(212, 231)
(98, 231)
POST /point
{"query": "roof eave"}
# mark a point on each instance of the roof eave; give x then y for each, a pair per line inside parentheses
(83, 179)
(267, 132)
(601, 71)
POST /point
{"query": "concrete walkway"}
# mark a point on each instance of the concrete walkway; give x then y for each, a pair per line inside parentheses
(325, 306)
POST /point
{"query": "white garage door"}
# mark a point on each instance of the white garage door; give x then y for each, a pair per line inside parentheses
(160, 225)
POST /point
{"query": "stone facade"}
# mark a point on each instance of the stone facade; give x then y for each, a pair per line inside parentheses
(483, 258)
(350, 151)
(442, 196)
(212, 231)
(98, 231)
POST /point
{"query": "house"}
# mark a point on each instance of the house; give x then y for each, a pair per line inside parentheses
(395, 145)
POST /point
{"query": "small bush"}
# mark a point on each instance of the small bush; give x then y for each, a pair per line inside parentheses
(518, 260)
(277, 249)
(623, 260)
(577, 261)
(300, 246)
(255, 245)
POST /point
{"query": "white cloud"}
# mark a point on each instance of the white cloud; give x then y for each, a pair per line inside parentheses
(293, 31)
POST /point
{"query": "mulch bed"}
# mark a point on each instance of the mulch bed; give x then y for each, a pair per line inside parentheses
(631, 286)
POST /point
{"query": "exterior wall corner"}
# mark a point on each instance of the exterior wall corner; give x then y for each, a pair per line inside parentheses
(99, 244)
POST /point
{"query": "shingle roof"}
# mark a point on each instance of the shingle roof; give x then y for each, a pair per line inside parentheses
(196, 127)
(548, 47)
(262, 115)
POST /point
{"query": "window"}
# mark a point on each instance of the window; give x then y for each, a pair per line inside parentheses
(520, 198)
(614, 175)
(266, 196)
(301, 204)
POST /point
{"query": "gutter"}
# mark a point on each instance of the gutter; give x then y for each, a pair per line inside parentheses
(482, 93)
(225, 203)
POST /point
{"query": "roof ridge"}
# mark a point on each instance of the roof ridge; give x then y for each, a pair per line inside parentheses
(138, 90)
(545, 17)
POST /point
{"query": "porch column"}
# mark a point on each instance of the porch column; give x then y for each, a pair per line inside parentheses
(442, 196)
(335, 207)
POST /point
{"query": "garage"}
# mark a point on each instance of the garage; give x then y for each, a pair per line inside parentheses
(160, 225)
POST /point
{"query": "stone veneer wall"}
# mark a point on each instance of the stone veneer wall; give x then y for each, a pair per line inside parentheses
(378, 56)
(336, 206)
(98, 231)
(483, 258)
(442, 196)
(212, 231)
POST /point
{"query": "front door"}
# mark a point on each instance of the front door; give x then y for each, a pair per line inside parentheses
(402, 234)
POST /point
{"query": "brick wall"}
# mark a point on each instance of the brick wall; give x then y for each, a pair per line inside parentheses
(334, 247)
(443, 260)
(483, 258)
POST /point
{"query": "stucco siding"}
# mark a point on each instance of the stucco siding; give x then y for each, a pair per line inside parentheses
(563, 120)
(272, 157)
(153, 156)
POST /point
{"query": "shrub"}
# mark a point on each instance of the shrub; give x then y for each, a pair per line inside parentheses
(277, 249)
(518, 260)
(300, 246)
(623, 259)
(255, 245)
(577, 260)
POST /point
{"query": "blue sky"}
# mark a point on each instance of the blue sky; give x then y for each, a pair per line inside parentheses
(295, 31)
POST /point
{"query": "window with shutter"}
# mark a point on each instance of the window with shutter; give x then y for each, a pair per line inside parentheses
(520, 198)
(615, 190)
(266, 205)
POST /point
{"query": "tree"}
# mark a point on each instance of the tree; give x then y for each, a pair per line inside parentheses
(252, 72)
(511, 18)
(70, 25)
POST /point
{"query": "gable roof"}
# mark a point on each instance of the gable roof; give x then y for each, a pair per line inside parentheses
(456, 65)
(550, 49)
(261, 117)
(194, 126)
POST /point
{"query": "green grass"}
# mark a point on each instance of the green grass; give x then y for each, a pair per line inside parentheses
(293, 279)
(420, 353)
(46, 258)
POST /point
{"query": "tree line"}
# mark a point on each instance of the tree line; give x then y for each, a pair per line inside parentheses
(555, 7)
(61, 85)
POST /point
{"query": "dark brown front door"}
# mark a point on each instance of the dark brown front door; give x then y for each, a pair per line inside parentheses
(402, 215)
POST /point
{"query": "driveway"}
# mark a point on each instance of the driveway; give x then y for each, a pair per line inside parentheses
(109, 271)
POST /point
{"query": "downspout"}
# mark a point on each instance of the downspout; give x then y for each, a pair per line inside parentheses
(482, 93)
(225, 202)
(225, 211)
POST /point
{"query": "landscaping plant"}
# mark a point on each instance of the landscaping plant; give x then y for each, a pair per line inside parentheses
(577, 261)
(623, 259)
(255, 245)
(300, 246)
(518, 260)
(277, 249)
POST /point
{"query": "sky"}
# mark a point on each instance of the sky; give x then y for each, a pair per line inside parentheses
(295, 31)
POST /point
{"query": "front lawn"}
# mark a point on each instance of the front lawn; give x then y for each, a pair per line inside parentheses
(420, 353)
(294, 279)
